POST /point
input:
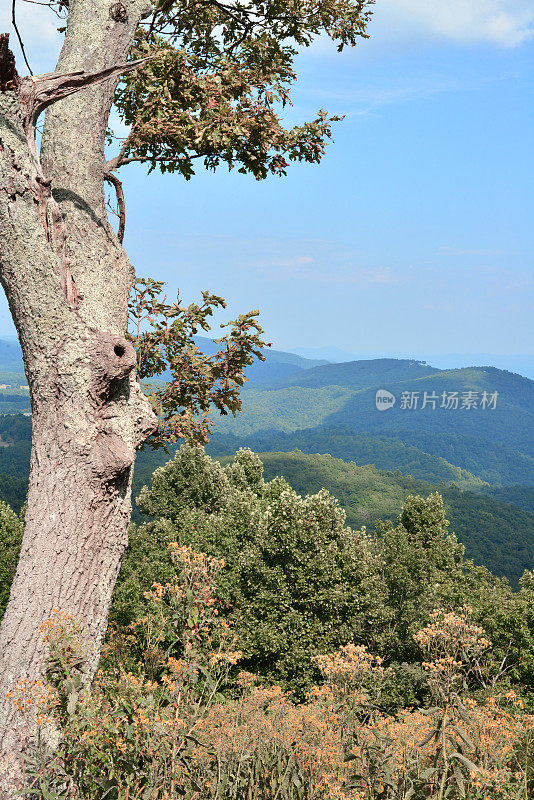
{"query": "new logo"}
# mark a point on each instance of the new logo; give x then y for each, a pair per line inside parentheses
(384, 400)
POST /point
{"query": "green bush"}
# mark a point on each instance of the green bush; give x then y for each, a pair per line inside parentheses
(297, 582)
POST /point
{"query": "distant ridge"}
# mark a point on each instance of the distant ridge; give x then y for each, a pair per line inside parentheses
(511, 362)
(361, 374)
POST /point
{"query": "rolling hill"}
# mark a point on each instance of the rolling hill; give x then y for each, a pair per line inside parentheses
(384, 452)
(494, 444)
(497, 534)
(360, 374)
(511, 423)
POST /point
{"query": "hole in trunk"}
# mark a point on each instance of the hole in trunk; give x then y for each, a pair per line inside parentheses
(118, 350)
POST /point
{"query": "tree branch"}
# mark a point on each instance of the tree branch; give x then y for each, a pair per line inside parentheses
(143, 159)
(40, 91)
(19, 37)
(121, 203)
(118, 160)
(35, 94)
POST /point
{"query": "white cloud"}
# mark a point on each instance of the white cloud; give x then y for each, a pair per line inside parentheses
(502, 22)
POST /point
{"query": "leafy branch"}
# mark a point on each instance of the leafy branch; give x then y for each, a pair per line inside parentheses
(197, 382)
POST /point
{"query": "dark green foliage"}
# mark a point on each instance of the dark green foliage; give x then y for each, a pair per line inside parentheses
(146, 560)
(10, 540)
(498, 535)
(419, 558)
(297, 582)
(305, 585)
(384, 452)
(15, 428)
(15, 447)
(492, 461)
(520, 496)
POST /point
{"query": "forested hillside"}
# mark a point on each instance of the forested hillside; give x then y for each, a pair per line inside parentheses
(511, 423)
(332, 409)
(361, 374)
(385, 452)
(498, 531)
(522, 496)
(329, 409)
(468, 460)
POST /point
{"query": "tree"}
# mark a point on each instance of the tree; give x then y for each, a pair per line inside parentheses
(420, 561)
(296, 582)
(199, 79)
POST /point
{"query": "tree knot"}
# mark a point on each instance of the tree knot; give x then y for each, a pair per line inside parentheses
(112, 359)
(111, 456)
(118, 12)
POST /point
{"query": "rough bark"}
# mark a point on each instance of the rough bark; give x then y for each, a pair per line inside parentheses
(67, 280)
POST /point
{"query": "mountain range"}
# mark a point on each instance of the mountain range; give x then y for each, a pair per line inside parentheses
(297, 410)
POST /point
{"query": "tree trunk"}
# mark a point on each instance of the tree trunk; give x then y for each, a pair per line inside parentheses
(67, 280)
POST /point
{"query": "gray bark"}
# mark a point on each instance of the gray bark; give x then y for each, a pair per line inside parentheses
(67, 281)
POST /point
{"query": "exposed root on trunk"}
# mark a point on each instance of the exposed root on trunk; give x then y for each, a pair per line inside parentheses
(35, 94)
(110, 177)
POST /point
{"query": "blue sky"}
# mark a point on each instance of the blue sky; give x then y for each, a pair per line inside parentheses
(415, 234)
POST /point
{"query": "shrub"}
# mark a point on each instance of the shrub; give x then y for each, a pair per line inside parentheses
(170, 716)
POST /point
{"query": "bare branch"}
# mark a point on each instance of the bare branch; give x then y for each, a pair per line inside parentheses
(49, 5)
(121, 203)
(39, 92)
(14, 21)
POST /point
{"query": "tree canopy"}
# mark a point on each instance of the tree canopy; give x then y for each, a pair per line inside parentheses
(217, 76)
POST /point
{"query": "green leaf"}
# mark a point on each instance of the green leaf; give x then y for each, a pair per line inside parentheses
(465, 761)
